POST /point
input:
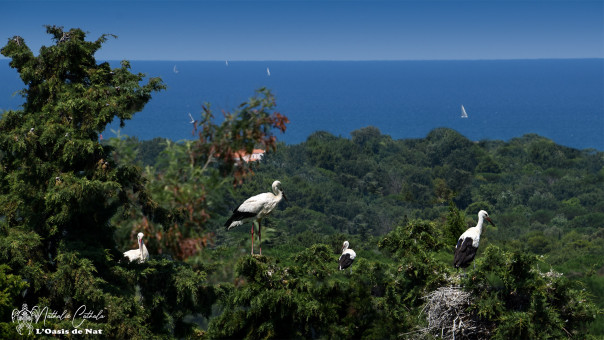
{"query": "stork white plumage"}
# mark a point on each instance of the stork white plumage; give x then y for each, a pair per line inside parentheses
(347, 256)
(468, 242)
(141, 254)
(256, 208)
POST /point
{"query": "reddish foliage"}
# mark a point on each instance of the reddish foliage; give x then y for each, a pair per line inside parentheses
(250, 126)
(218, 147)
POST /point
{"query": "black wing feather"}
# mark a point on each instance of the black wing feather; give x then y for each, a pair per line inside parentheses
(464, 253)
(345, 261)
(238, 216)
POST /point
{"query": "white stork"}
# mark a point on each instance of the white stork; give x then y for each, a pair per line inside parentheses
(256, 208)
(347, 256)
(468, 242)
(141, 254)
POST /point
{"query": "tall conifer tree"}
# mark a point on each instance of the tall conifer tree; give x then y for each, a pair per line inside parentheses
(59, 186)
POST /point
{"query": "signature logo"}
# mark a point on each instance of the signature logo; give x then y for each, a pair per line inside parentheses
(25, 318)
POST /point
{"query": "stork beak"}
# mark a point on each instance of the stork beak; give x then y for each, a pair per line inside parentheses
(285, 197)
(488, 219)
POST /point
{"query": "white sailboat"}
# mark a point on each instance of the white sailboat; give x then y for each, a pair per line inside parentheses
(226, 62)
(175, 69)
(464, 114)
(268, 72)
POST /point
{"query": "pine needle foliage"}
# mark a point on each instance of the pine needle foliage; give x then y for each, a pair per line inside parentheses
(306, 296)
(522, 302)
(309, 299)
(59, 188)
(454, 226)
(415, 245)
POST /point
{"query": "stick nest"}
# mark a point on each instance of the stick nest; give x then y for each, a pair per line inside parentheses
(448, 318)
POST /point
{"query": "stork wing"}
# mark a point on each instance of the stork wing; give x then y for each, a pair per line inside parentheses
(248, 209)
(345, 261)
(254, 204)
(132, 255)
(464, 252)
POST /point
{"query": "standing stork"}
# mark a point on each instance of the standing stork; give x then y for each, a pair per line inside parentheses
(256, 208)
(141, 254)
(347, 256)
(467, 244)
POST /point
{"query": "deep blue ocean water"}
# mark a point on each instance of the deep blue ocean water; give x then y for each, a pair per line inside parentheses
(560, 99)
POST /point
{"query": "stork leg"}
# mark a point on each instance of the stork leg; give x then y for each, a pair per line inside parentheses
(260, 235)
(252, 238)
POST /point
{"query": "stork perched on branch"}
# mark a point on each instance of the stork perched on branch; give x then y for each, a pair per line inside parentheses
(467, 244)
(141, 254)
(347, 256)
(256, 208)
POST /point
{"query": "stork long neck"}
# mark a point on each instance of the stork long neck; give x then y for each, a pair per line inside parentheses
(278, 193)
(480, 224)
(140, 246)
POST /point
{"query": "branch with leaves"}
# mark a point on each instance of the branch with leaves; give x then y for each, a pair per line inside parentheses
(192, 178)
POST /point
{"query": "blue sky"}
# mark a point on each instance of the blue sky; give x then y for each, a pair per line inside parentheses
(319, 30)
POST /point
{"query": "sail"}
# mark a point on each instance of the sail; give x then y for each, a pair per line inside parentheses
(268, 72)
(463, 112)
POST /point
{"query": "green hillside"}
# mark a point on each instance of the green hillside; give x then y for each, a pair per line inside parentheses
(422, 193)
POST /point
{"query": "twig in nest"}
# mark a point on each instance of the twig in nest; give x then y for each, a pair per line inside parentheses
(445, 309)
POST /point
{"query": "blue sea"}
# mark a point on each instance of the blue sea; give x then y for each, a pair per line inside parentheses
(562, 100)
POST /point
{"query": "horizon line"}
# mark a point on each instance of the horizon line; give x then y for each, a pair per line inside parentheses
(347, 60)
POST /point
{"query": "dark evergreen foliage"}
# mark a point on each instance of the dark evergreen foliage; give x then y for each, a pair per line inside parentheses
(60, 187)
(523, 302)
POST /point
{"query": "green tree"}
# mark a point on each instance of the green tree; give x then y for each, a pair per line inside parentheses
(12, 285)
(454, 227)
(308, 298)
(60, 188)
(523, 302)
(416, 242)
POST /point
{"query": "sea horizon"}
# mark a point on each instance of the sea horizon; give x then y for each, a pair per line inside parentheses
(559, 99)
(337, 60)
